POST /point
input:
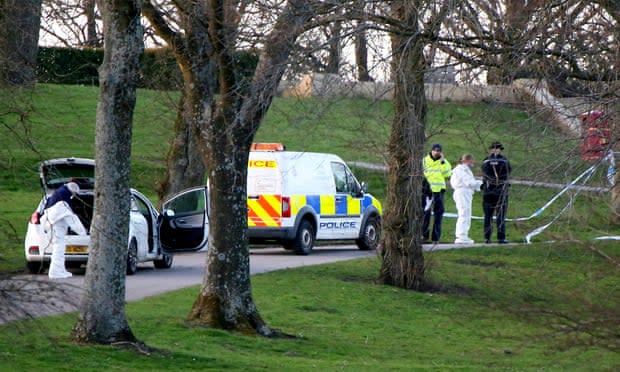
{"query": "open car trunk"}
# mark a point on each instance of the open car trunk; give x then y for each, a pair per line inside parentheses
(56, 172)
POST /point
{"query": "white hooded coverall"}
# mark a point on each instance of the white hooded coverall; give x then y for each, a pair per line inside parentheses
(464, 185)
(55, 221)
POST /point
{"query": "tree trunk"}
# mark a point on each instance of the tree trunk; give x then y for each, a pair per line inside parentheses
(102, 308)
(20, 21)
(225, 299)
(193, 50)
(361, 54)
(402, 258)
(184, 164)
(92, 38)
(334, 49)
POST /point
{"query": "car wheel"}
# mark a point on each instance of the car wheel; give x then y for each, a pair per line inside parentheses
(165, 262)
(370, 235)
(34, 267)
(304, 240)
(132, 258)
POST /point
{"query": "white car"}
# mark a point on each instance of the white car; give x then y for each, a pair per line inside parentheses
(144, 243)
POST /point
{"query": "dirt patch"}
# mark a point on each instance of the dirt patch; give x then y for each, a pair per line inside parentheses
(357, 279)
(319, 309)
(450, 289)
(473, 262)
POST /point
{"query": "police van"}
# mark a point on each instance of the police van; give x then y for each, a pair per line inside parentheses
(294, 199)
(297, 198)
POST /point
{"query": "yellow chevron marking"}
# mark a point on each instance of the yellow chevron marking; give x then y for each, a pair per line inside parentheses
(263, 217)
(275, 204)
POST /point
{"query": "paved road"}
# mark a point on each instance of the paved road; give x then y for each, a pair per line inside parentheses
(186, 271)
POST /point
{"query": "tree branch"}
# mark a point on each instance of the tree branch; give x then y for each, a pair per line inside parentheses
(157, 20)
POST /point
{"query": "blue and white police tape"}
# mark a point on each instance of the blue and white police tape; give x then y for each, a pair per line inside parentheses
(587, 173)
(611, 169)
(617, 237)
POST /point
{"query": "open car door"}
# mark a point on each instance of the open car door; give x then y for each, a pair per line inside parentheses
(184, 225)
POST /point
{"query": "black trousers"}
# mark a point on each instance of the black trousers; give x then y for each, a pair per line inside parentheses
(437, 209)
(495, 204)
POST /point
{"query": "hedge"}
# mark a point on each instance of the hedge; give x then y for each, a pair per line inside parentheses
(79, 66)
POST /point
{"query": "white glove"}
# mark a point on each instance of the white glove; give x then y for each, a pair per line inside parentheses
(429, 203)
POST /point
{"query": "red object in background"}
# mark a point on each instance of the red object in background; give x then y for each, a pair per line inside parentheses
(596, 129)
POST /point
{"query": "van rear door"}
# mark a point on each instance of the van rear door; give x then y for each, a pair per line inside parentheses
(264, 191)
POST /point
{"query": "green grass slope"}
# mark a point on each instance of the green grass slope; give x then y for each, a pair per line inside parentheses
(531, 308)
(59, 121)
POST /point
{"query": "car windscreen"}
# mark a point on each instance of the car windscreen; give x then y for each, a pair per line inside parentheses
(56, 175)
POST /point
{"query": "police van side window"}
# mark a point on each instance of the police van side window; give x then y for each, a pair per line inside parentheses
(340, 177)
(352, 185)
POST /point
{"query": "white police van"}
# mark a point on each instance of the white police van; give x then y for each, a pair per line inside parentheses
(294, 199)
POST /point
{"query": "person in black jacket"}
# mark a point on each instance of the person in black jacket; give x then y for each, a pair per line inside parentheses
(496, 171)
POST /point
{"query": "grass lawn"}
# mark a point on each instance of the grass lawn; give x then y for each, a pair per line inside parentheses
(59, 121)
(541, 307)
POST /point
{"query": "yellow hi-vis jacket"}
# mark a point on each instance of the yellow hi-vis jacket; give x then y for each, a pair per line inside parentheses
(436, 173)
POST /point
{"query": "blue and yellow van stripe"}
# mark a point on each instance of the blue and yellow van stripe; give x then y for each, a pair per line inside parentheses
(331, 205)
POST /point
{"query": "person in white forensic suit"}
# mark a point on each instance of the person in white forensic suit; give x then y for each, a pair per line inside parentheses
(464, 185)
(57, 217)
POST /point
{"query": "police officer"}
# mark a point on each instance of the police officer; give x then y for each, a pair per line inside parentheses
(496, 171)
(436, 170)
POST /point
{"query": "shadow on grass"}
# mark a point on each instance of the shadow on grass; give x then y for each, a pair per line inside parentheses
(570, 290)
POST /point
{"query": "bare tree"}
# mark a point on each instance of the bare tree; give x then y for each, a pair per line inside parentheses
(19, 40)
(361, 53)
(102, 308)
(333, 32)
(561, 41)
(92, 34)
(402, 259)
(73, 23)
(225, 299)
(225, 126)
(192, 49)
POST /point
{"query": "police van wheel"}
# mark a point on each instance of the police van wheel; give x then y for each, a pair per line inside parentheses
(304, 240)
(370, 235)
